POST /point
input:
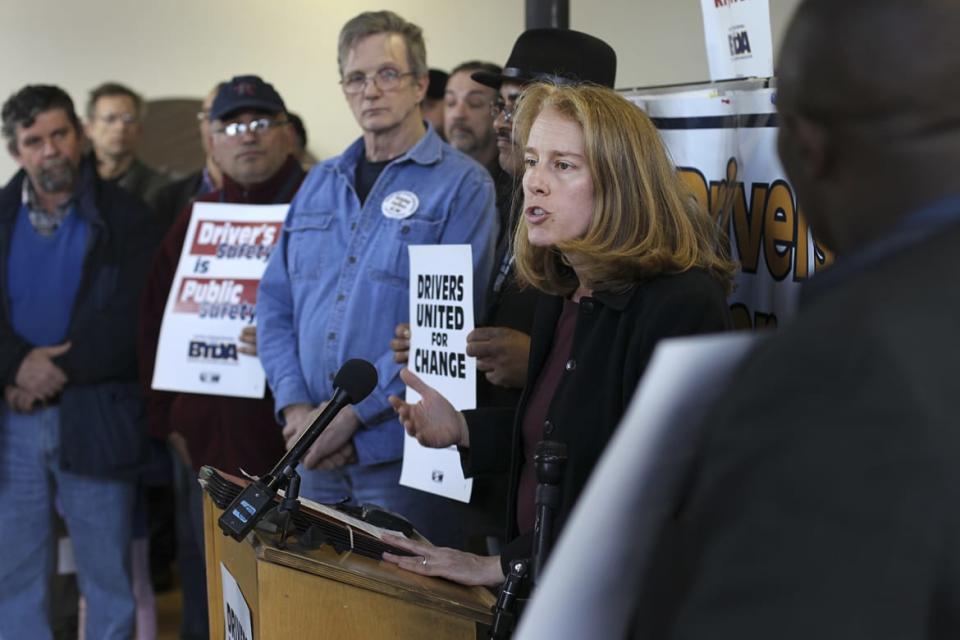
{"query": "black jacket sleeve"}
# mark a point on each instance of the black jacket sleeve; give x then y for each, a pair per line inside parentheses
(104, 324)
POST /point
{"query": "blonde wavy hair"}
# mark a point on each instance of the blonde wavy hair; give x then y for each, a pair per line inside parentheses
(645, 222)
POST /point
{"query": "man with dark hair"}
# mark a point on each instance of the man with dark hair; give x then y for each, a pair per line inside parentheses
(340, 275)
(114, 125)
(75, 250)
(466, 116)
(823, 502)
(252, 142)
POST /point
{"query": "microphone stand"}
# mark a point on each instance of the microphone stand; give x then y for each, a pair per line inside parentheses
(283, 513)
(550, 460)
(252, 504)
(504, 614)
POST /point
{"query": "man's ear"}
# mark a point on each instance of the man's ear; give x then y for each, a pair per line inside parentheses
(422, 83)
(812, 147)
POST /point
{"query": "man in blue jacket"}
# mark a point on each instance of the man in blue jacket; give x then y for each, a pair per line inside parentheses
(73, 253)
(338, 282)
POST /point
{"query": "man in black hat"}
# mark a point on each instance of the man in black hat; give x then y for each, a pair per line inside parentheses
(253, 143)
(561, 56)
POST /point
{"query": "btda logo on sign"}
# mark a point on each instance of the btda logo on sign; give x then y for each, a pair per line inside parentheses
(739, 44)
(212, 351)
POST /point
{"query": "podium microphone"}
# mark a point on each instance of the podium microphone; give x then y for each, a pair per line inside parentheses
(549, 459)
(354, 382)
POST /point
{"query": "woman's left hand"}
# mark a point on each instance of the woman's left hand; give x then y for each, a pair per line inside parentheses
(442, 562)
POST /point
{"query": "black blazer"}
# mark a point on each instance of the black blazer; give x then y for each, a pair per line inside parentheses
(825, 499)
(614, 338)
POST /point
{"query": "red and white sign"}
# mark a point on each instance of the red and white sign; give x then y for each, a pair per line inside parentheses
(213, 297)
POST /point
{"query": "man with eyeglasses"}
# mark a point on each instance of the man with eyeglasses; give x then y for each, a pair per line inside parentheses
(113, 126)
(252, 143)
(339, 278)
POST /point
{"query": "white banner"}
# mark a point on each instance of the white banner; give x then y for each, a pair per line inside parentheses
(441, 316)
(737, 35)
(725, 146)
(213, 297)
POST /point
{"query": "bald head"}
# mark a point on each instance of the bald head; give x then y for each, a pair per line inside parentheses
(874, 58)
(869, 99)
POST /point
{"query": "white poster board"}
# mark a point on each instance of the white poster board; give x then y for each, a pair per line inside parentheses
(441, 316)
(738, 40)
(632, 492)
(237, 623)
(213, 297)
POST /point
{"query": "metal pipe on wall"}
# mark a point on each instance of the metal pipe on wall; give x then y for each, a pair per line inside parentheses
(548, 13)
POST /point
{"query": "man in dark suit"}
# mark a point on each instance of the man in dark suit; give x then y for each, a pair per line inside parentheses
(825, 498)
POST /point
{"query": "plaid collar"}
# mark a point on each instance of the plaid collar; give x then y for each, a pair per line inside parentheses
(45, 223)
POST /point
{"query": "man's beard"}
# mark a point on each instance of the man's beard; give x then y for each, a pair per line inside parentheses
(57, 176)
(466, 141)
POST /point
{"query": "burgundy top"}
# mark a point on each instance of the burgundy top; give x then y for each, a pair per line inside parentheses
(228, 433)
(537, 410)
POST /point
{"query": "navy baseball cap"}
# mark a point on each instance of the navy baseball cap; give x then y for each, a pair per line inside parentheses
(246, 92)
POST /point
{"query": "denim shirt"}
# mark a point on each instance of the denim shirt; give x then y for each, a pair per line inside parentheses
(337, 284)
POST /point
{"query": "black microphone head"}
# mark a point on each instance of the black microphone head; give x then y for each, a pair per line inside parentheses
(357, 378)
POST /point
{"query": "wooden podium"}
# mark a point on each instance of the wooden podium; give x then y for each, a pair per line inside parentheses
(322, 594)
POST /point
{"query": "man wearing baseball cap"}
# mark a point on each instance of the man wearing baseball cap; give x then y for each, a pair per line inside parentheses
(252, 143)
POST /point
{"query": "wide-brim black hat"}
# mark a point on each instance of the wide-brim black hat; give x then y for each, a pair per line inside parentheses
(562, 56)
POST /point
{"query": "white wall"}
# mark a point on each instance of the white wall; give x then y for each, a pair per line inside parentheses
(180, 48)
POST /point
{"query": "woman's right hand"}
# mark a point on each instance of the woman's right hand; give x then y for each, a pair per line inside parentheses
(433, 421)
(452, 564)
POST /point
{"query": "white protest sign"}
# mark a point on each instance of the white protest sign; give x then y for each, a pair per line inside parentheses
(441, 316)
(237, 623)
(213, 297)
(737, 34)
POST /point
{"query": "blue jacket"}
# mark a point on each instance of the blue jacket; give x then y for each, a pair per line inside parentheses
(102, 429)
(338, 283)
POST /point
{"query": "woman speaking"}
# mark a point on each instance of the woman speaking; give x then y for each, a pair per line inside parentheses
(627, 257)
